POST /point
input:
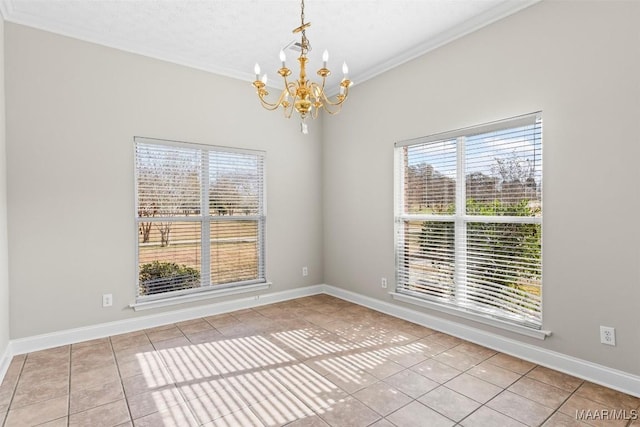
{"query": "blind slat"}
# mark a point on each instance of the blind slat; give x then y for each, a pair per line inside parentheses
(465, 180)
(186, 191)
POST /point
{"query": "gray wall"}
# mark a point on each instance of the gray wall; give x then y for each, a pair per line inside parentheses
(579, 63)
(72, 111)
(4, 274)
(73, 108)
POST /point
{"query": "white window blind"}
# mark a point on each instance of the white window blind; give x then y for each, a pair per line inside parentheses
(200, 217)
(469, 217)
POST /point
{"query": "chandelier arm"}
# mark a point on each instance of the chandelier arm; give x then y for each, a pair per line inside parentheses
(332, 109)
(286, 105)
(318, 91)
(272, 106)
(329, 108)
(291, 88)
(334, 112)
(324, 80)
(289, 111)
(343, 96)
(268, 105)
(328, 102)
(281, 99)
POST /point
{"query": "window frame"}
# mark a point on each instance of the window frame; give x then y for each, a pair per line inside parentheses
(206, 288)
(459, 305)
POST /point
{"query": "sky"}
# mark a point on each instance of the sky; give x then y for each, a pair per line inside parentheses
(482, 150)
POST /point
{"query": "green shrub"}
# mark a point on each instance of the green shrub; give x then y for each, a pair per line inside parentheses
(503, 246)
(159, 277)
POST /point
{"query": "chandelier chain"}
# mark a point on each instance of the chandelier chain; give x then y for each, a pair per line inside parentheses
(305, 46)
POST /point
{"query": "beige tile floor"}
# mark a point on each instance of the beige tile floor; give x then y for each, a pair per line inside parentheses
(314, 361)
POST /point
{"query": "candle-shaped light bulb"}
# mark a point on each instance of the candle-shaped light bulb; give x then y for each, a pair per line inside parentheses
(345, 70)
(341, 90)
(256, 69)
(283, 57)
(264, 79)
(325, 58)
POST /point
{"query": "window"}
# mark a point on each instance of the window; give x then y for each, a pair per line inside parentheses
(200, 217)
(469, 220)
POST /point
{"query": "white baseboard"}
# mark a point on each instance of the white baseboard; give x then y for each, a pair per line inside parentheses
(599, 374)
(5, 361)
(70, 336)
(608, 377)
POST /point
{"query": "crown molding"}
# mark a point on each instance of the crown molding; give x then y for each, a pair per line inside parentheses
(109, 40)
(504, 9)
(4, 9)
(476, 23)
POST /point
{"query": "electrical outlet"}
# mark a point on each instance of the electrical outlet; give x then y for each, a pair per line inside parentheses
(607, 335)
(383, 282)
(305, 271)
(107, 300)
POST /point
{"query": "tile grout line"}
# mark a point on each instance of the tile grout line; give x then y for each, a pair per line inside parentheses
(172, 378)
(506, 389)
(383, 346)
(557, 410)
(69, 385)
(503, 389)
(481, 404)
(115, 359)
(15, 389)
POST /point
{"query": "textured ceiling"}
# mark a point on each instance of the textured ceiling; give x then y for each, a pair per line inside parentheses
(228, 36)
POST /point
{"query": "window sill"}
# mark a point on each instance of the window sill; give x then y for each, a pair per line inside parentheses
(501, 324)
(215, 293)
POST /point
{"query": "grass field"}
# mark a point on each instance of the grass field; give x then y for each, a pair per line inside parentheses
(234, 248)
(442, 274)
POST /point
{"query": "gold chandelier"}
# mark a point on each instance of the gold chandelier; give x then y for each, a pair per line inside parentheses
(304, 96)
